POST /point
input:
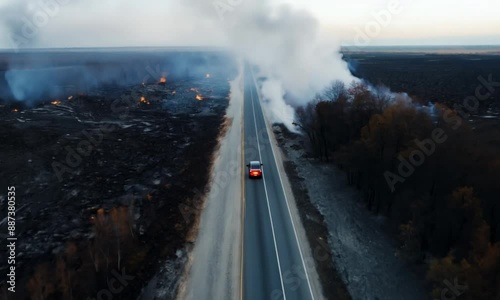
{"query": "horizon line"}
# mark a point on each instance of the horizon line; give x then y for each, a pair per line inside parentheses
(225, 47)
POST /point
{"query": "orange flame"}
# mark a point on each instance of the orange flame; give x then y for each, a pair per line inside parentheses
(199, 97)
(15, 110)
(163, 79)
(144, 100)
(55, 102)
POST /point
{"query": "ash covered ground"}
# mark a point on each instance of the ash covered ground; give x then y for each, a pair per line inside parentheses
(104, 173)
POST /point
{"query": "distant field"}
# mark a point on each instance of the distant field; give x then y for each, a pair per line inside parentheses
(438, 78)
(445, 78)
(425, 49)
(49, 73)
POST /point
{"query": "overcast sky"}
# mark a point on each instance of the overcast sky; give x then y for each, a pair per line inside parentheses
(112, 23)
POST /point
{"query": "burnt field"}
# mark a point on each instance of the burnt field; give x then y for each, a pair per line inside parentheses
(438, 78)
(443, 78)
(107, 169)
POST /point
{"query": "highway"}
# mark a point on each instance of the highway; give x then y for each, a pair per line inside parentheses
(273, 265)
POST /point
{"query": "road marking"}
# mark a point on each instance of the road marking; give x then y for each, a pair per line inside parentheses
(284, 193)
(267, 197)
(243, 202)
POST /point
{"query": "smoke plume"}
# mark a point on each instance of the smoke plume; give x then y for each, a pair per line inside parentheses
(285, 46)
(30, 78)
(292, 61)
(12, 14)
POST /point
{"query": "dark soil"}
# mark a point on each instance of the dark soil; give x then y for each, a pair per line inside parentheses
(88, 165)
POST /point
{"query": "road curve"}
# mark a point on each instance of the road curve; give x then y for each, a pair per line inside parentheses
(273, 264)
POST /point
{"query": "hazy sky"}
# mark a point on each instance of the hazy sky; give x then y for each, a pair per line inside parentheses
(89, 23)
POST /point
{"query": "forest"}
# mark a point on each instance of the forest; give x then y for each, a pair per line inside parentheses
(423, 167)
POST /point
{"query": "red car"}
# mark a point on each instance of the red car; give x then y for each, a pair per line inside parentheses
(255, 169)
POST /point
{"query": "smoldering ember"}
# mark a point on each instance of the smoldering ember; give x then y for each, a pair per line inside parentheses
(101, 165)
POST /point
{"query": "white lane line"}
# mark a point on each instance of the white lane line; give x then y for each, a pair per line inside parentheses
(286, 199)
(267, 198)
(243, 203)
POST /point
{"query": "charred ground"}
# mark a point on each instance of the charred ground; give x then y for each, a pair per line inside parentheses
(105, 177)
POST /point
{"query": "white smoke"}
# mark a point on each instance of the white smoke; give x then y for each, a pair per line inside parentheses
(284, 44)
(278, 110)
(282, 41)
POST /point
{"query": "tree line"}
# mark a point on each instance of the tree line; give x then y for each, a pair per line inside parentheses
(421, 166)
(88, 268)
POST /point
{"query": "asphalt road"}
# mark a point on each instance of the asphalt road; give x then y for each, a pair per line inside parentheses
(273, 264)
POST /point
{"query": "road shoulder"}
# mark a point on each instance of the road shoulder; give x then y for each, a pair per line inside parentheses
(365, 257)
(312, 232)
